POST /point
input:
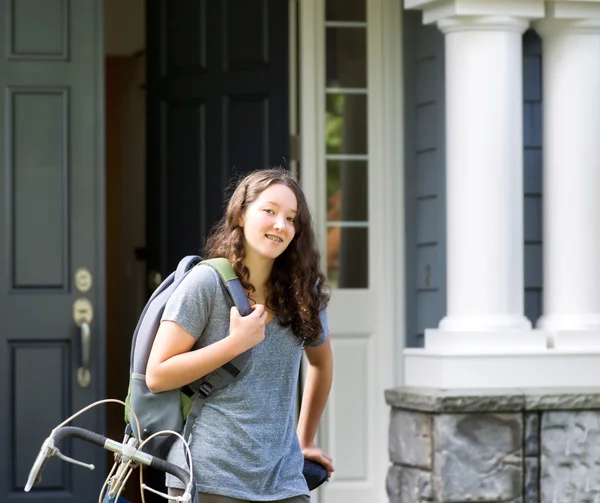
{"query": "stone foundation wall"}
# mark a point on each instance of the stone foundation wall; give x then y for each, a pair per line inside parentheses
(507, 446)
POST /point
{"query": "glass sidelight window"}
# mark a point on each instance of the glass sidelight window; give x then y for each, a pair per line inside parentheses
(346, 137)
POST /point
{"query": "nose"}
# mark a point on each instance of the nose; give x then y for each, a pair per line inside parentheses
(278, 225)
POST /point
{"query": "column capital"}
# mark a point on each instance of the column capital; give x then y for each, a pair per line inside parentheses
(483, 23)
(436, 10)
(572, 9)
(570, 16)
(550, 27)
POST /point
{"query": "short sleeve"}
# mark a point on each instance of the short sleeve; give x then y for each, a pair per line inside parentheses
(325, 324)
(190, 304)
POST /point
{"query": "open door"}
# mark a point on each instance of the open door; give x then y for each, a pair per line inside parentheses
(51, 230)
(217, 105)
(217, 94)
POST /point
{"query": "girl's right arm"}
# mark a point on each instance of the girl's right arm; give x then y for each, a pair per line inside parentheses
(172, 364)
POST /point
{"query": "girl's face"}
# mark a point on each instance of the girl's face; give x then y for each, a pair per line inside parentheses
(268, 222)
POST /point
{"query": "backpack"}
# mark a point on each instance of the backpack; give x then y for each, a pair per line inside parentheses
(175, 409)
(178, 409)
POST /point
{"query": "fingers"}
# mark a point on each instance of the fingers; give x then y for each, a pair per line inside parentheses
(234, 313)
(258, 310)
(326, 461)
(321, 457)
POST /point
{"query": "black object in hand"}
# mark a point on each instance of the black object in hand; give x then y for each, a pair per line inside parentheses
(314, 473)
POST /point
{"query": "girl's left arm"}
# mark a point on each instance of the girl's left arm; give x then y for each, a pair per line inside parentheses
(319, 377)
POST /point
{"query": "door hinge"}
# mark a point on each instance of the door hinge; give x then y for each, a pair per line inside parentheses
(295, 147)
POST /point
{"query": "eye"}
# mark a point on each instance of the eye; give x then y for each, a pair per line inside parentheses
(291, 219)
(269, 211)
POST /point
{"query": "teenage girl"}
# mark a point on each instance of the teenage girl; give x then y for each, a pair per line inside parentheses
(245, 445)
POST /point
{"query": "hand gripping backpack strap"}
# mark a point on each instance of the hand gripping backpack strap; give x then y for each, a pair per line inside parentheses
(230, 370)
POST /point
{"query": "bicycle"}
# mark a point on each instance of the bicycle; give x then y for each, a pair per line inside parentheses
(128, 456)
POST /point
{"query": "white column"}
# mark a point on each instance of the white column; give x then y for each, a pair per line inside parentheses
(571, 146)
(485, 341)
(484, 173)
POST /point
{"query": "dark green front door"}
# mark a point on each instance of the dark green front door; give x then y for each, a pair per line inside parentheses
(51, 226)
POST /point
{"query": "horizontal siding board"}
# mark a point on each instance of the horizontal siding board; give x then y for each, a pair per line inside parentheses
(532, 124)
(532, 78)
(428, 166)
(428, 268)
(428, 214)
(533, 220)
(532, 172)
(429, 311)
(533, 304)
(533, 266)
(427, 77)
(427, 40)
(427, 120)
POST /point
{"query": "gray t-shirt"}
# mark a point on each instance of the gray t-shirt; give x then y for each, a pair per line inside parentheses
(244, 443)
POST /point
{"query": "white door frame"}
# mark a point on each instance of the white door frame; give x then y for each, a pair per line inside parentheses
(381, 307)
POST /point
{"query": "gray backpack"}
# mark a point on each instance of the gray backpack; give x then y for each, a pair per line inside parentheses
(176, 409)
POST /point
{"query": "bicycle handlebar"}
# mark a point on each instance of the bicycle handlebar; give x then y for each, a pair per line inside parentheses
(48, 449)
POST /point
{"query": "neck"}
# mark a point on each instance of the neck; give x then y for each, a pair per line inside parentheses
(260, 270)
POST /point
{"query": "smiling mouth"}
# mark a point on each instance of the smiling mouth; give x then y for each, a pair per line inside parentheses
(274, 238)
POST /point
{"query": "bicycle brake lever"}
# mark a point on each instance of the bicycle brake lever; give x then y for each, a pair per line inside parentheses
(74, 461)
(35, 473)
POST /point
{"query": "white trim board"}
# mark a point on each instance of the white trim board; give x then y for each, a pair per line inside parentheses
(367, 325)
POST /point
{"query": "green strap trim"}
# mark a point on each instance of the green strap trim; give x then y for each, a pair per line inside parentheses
(223, 267)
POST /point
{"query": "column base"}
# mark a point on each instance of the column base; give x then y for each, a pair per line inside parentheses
(515, 446)
(571, 323)
(514, 360)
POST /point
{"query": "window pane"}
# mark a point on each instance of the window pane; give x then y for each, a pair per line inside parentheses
(346, 57)
(346, 123)
(345, 10)
(347, 257)
(347, 191)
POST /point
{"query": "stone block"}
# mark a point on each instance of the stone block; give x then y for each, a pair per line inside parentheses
(408, 485)
(410, 439)
(478, 457)
(570, 457)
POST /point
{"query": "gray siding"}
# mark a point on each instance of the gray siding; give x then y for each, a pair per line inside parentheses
(532, 186)
(425, 183)
(424, 177)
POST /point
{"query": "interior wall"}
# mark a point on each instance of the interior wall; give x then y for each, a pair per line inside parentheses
(125, 198)
(125, 217)
(125, 27)
(125, 176)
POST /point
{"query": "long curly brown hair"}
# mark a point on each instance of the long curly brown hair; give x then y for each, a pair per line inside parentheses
(296, 287)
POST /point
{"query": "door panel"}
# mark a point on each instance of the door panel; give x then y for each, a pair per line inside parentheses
(217, 105)
(51, 186)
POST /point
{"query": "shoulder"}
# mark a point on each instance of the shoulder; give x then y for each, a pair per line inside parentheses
(324, 319)
(199, 285)
(201, 277)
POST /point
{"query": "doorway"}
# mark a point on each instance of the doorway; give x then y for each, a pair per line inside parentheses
(250, 135)
(125, 132)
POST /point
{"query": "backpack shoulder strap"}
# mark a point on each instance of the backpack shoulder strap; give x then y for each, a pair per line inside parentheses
(229, 371)
(232, 283)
